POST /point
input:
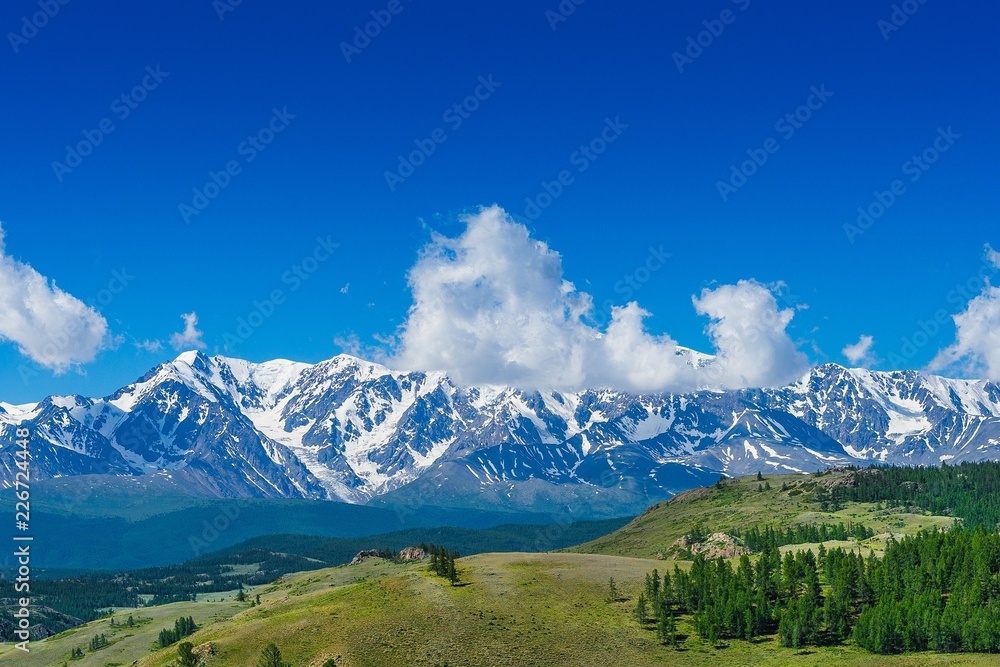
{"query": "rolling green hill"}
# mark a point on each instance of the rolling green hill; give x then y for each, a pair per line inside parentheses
(550, 609)
(264, 559)
(523, 610)
(738, 505)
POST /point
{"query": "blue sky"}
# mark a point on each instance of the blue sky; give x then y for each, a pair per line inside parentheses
(552, 86)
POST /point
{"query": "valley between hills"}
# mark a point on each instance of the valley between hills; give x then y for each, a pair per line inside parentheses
(552, 608)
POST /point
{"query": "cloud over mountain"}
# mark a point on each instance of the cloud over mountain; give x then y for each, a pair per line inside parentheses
(976, 350)
(492, 306)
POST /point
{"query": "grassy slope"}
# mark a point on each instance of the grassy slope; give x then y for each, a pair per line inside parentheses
(521, 610)
(515, 609)
(740, 504)
(128, 644)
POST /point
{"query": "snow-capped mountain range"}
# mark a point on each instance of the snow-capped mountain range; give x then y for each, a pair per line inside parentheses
(351, 430)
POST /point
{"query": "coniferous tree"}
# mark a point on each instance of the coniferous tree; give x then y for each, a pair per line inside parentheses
(641, 608)
(186, 657)
(271, 657)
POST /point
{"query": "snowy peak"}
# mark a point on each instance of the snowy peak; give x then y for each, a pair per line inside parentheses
(354, 430)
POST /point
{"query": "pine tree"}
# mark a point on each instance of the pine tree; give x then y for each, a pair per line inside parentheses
(612, 590)
(641, 608)
(271, 657)
(186, 656)
(667, 629)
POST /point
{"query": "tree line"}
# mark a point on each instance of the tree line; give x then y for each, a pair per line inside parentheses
(934, 591)
(970, 491)
(756, 539)
(183, 627)
(443, 562)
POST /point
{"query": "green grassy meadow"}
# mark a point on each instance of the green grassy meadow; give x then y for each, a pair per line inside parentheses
(510, 609)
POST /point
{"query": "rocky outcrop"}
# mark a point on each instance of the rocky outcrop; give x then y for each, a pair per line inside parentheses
(362, 556)
(716, 545)
(412, 553)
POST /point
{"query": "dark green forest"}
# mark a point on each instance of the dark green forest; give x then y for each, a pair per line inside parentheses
(935, 591)
(970, 491)
(756, 539)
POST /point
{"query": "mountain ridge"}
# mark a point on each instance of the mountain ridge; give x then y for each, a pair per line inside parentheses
(353, 430)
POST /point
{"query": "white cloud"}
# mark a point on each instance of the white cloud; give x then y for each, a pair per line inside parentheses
(149, 345)
(993, 256)
(859, 354)
(749, 332)
(48, 325)
(191, 337)
(492, 306)
(352, 344)
(976, 350)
